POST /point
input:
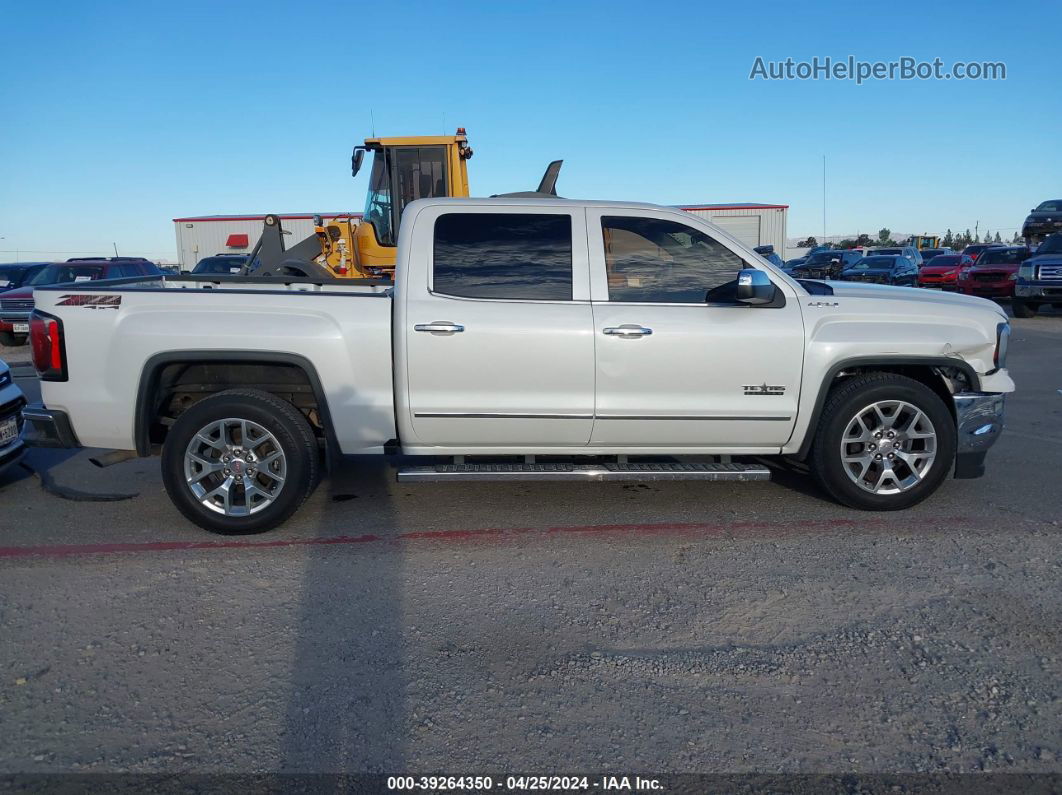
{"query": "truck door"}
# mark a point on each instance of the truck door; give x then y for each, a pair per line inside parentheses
(498, 329)
(679, 362)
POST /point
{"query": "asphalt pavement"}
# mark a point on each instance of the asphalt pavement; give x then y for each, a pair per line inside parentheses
(549, 628)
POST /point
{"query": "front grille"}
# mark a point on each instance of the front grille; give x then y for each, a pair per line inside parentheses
(17, 304)
(989, 276)
(1051, 273)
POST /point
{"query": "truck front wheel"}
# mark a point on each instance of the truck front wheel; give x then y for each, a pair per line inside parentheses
(240, 461)
(1023, 308)
(884, 442)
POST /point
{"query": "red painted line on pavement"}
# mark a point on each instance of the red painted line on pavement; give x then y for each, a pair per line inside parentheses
(66, 550)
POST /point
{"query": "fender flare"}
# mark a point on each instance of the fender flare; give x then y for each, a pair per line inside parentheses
(884, 363)
(149, 381)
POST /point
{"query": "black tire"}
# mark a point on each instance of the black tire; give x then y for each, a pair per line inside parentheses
(843, 403)
(1023, 308)
(1056, 306)
(289, 428)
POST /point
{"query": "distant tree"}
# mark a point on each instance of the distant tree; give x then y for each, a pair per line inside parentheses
(809, 243)
(863, 240)
(883, 235)
(1017, 238)
(998, 238)
(949, 240)
(848, 243)
(988, 236)
(970, 238)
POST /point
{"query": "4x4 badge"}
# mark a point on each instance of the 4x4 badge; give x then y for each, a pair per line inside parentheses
(763, 389)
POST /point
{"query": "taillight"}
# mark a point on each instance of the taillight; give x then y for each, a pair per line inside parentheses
(49, 352)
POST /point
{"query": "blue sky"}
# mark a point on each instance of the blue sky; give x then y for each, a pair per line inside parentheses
(119, 116)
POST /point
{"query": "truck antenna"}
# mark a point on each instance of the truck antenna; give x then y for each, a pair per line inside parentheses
(115, 248)
(372, 123)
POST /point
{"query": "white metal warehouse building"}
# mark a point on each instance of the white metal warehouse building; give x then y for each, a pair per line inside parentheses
(203, 236)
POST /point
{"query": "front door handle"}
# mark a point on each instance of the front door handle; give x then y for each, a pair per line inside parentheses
(629, 331)
(439, 327)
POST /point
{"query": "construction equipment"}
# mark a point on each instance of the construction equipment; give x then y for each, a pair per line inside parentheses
(925, 241)
(403, 169)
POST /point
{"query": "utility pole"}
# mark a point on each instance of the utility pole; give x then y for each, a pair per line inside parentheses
(976, 225)
(824, 200)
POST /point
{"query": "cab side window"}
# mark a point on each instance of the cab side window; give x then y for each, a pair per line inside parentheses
(650, 260)
(521, 256)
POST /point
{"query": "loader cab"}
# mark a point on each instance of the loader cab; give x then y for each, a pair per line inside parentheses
(403, 170)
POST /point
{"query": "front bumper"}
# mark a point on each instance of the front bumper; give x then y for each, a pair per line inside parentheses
(979, 420)
(939, 284)
(11, 403)
(1047, 290)
(48, 427)
(1000, 289)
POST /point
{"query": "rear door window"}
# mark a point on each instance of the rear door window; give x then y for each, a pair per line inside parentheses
(521, 256)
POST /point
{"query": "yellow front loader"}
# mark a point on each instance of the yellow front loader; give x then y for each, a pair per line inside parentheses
(403, 169)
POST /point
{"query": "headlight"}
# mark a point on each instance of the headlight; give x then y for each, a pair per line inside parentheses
(1025, 272)
(965, 273)
(1013, 277)
(1002, 344)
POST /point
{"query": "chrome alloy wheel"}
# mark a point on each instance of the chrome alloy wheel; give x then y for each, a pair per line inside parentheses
(888, 447)
(235, 467)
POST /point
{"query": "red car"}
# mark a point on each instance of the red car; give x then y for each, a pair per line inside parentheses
(942, 272)
(16, 305)
(995, 272)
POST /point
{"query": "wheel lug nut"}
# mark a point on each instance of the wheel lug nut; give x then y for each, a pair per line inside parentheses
(877, 457)
(877, 435)
(872, 446)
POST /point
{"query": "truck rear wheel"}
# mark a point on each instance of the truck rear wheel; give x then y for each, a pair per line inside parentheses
(884, 442)
(240, 461)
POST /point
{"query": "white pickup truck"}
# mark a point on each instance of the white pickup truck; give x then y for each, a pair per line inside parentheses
(524, 339)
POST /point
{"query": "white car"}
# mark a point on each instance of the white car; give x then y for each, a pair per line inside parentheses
(11, 422)
(518, 328)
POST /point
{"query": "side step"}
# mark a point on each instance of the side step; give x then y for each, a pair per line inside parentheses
(636, 472)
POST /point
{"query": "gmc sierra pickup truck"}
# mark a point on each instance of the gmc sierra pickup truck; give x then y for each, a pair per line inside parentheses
(524, 338)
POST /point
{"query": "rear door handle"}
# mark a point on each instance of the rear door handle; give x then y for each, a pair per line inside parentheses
(628, 330)
(439, 327)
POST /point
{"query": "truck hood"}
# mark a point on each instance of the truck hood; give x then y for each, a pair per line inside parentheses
(911, 294)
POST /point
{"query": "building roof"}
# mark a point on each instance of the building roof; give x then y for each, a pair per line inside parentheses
(308, 216)
(733, 206)
(282, 216)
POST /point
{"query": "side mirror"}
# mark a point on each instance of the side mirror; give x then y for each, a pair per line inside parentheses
(356, 159)
(754, 287)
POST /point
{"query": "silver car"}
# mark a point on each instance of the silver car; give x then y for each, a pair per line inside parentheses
(11, 422)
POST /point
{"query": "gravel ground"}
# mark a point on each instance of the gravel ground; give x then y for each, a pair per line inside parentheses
(545, 628)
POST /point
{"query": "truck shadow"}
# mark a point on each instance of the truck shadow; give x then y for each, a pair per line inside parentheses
(346, 710)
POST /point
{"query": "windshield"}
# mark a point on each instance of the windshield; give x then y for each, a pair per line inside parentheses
(874, 263)
(58, 274)
(220, 265)
(1053, 206)
(1004, 256)
(418, 172)
(1051, 245)
(378, 203)
(823, 258)
(943, 260)
(888, 251)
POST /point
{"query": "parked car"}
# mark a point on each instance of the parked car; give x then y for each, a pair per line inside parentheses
(942, 272)
(226, 264)
(929, 253)
(768, 253)
(995, 272)
(827, 264)
(910, 252)
(16, 305)
(792, 263)
(497, 338)
(1043, 220)
(977, 249)
(15, 274)
(11, 420)
(1039, 279)
(883, 269)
